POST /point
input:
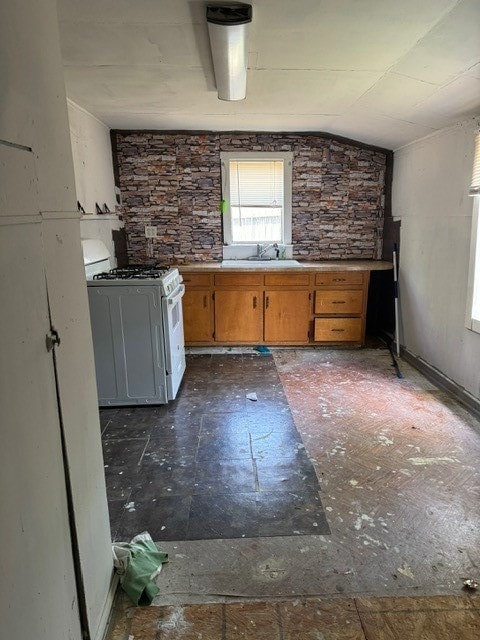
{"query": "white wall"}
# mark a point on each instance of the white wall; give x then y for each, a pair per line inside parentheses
(32, 97)
(92, 159)
(94, 181)
(39, 228)
(430, 196)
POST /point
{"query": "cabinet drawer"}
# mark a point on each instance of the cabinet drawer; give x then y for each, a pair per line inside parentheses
(338, 330)
(239, 279)
(196, 279)
(340, 277)
(341, 302)
(290, 279)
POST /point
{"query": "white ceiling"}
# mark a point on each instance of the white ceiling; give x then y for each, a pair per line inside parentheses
(384, 72)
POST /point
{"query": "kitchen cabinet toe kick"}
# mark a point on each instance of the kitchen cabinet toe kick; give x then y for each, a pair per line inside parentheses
(289, 309)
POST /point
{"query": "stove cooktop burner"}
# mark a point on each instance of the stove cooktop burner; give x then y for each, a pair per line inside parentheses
(133, 272)
(132, 275)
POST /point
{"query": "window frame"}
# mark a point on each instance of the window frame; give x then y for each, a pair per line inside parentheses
(471, 322)
(225, 158)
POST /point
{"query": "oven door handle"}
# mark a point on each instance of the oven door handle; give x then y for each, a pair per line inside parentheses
(176, 295)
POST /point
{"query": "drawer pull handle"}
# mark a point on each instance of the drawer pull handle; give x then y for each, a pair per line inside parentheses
(338, 301)
(204, 302)
(267, 302)
(339, 279)
(338, 330)
(187, 279)
(254, 302)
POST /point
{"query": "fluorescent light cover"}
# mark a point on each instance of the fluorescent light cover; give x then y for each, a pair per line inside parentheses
(228, 30)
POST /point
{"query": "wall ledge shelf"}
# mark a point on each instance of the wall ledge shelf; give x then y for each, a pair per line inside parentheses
(101, 216)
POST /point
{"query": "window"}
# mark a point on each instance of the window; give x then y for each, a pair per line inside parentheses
(473, 294)
(473, 308)
(257, 190)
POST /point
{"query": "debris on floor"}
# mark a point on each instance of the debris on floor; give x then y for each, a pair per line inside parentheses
(252, 396)
(138, 563)
(262, 349)
(409, 485)
(470, 584)
(405, 570)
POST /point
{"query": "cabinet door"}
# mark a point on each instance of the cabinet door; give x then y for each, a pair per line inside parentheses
(238, 316)
(38, 567)
(287, 316)
(197, 315)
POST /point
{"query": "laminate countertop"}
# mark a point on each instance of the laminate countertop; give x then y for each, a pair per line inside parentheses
(320, 265)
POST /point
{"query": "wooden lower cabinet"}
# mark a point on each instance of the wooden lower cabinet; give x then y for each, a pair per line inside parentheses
(287, 316)
(197, 315)
(338, 330)
(238, 316)
(275, 308)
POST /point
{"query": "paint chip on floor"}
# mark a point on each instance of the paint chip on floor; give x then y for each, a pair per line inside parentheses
(361, 519)
(428, 461)
(405, 570)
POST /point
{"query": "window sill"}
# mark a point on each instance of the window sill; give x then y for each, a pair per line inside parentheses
(243, 251)
(473, 325)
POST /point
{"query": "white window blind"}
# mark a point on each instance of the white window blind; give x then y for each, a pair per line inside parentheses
(256, 184)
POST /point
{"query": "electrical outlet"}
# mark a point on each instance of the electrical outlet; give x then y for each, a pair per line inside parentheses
(150, 232)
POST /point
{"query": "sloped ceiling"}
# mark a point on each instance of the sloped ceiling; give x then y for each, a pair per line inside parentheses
(384, 72)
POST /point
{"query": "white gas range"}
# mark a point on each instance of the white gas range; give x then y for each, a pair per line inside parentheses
(137, 328)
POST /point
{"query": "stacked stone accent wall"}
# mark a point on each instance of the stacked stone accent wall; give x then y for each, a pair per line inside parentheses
(172, 181)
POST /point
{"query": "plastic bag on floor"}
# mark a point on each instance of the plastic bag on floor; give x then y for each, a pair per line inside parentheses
(138, 563)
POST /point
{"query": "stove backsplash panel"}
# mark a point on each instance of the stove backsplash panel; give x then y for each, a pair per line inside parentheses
(172, 181)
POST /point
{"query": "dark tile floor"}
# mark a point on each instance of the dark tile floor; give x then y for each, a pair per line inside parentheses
(212, 464)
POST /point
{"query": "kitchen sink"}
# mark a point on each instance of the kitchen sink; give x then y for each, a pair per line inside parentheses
(279, 264)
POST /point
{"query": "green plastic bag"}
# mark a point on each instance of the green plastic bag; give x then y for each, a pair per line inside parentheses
(138, 563)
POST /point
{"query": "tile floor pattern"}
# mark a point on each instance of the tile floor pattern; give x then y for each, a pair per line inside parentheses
(398, 462)
(420, 618)
(212, 464)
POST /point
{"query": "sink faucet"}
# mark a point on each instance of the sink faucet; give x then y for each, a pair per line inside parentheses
(263, 248)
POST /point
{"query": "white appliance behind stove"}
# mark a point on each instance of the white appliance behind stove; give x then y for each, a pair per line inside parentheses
(96, 257)
(137, 329)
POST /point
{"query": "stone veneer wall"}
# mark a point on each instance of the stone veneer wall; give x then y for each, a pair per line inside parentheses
(172, 181)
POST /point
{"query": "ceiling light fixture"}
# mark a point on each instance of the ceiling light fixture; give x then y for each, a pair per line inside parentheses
(228, 30)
